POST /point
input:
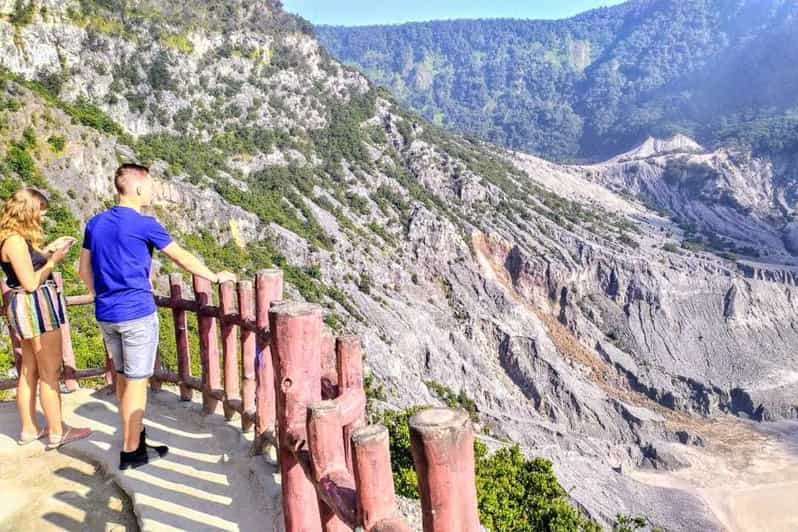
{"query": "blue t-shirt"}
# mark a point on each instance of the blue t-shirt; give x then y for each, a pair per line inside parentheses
(121, 242)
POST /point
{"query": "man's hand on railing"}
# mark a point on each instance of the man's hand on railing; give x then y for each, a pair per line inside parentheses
(223, 277)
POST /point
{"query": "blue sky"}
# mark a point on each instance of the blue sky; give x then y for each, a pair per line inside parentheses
(359, 12)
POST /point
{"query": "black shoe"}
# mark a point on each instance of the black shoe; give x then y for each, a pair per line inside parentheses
(162, 450)
(142, 456)
(138, 458)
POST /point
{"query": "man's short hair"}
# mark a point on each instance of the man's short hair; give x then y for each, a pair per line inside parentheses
(129, 174)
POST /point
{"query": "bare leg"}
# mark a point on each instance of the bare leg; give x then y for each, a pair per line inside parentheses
(26, 389)
(47, 349)
(131, 407)
(121, 386)
(120, 390)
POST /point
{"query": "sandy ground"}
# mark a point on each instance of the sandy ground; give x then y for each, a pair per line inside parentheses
(747, 474)
(207, 483)
(52, 491)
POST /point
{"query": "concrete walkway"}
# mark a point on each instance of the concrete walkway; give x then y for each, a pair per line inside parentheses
(207, 482)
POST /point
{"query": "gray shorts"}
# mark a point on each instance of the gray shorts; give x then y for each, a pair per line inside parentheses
(133, 345)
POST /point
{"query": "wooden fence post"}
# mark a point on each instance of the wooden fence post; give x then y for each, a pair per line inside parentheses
(268, 289)
(349, 362)
(374, 480)
(109, 376)
(329, 372)
(442, 442)
(181, 336)
(296, 344)
(155, 382)
(68, 354)
(227, 309)
(329, 465)
(246, 306)
(209, 347)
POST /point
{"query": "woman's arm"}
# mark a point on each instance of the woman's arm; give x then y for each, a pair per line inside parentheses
(16, 249)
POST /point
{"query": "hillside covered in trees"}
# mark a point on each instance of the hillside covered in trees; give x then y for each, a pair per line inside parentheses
(599, 83)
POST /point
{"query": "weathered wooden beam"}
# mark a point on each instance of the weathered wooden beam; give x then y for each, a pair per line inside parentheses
(268, 290)
(229, 330)
(349, 364)
(442, 442)
(246, 306)
(334, 483)
(67, 353)
(180, 321)
(377, 508)
(209, 345)
(296, 343)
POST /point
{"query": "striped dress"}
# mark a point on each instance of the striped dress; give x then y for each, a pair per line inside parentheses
(37, 312)
(34, 313)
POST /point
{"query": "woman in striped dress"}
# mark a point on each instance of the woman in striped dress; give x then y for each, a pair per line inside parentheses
(34, 311)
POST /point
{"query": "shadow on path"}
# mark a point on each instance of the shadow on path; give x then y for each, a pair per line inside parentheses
(207, 482)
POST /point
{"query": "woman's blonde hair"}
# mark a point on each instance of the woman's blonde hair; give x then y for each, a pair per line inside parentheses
(22, 215)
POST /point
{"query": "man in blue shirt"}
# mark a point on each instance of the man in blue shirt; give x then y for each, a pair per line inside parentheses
(115, 265)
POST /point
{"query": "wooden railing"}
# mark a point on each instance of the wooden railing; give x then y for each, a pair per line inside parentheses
(302, 391)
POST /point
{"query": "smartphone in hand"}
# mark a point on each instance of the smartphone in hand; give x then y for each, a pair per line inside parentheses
(61, 243)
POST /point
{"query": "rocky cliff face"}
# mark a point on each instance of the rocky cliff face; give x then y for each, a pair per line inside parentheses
(726, 200)
(549, 299)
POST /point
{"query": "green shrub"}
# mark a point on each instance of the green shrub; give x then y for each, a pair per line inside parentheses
(178, 42)
(358, 203)
(515, 494)
(364, 283)
(628, 241)
(57, 143)
(453, 400)
(92, 116)
(629, 523)
(19, 160)
(343, 137)
(23, 12)
(29, 141)
(404, 474)
(10, 104)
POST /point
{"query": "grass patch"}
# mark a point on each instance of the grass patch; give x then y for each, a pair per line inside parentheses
(178, 42)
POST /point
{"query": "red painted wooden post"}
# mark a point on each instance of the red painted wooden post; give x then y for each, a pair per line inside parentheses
(181, 336)
(442, 442)
(16, 343)
(67, 353)
(296, 343)
(110, 371)
(375, 490)
(349, 362)
(209, 347)
(227, 308)
(329, 465)
(329, 374)
(155, 382)
(246, 305)
(268, 289)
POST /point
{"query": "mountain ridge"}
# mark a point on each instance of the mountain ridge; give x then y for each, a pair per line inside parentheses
(593, 85)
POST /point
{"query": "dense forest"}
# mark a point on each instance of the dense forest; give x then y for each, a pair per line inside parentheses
(599, 83)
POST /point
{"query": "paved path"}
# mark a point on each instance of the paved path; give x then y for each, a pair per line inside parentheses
(207, 483)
